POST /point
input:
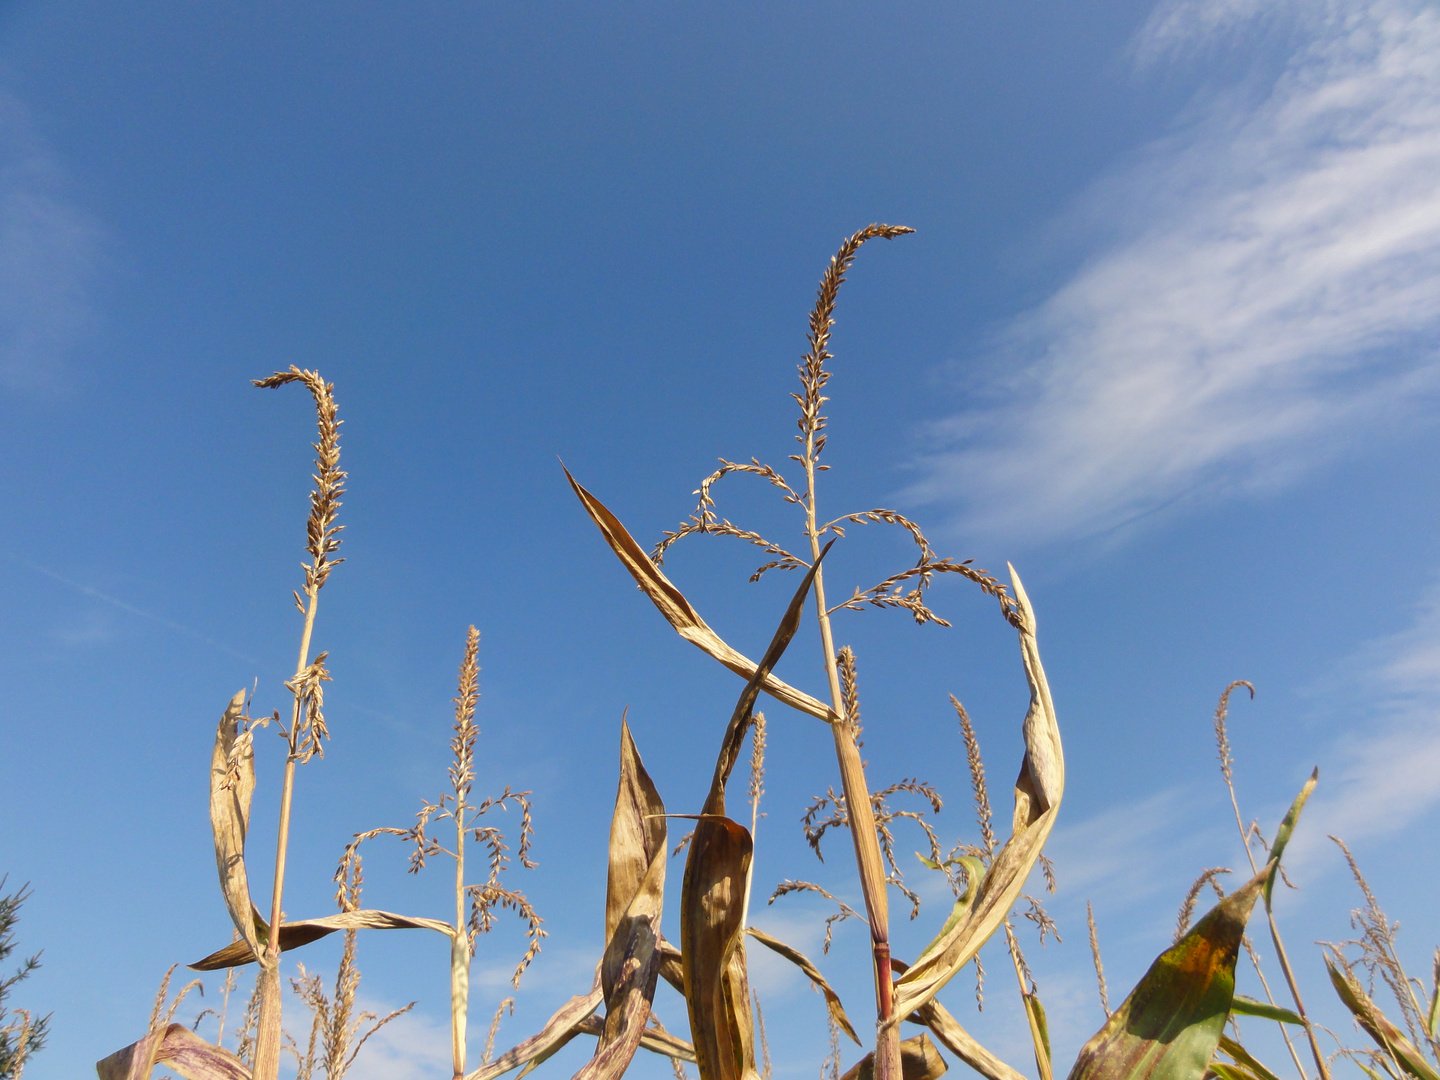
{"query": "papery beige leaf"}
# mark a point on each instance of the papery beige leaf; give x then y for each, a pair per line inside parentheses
(1038, 791)
(919, 1060)
(232, 785)
(637, 835)
(741, 715)
(677, 610)
(800, 960)
(563, 1026)
(961, 1043)
(712, 914)
(716, 892)
(659, 1042)
(634, 897)
(672, 969)
(295, 934)
(179, 1048)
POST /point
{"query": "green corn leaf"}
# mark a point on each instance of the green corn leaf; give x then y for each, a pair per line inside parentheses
(1248, 1006)
(1287, 827)
(1169, 1026)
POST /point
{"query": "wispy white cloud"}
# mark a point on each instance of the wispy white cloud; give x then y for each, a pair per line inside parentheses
(1270, 291)
(48, 253)
(1127, 850)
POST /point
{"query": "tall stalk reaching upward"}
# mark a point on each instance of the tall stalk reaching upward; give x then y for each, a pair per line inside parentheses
(813, 378)
(306, 732)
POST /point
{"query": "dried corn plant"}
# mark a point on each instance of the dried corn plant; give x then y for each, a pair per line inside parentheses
(1170, 1027)
(475, 904)
(1041, 783)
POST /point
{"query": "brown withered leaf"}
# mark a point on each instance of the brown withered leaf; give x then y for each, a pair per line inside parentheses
(179, 1048)
(800, 960)
(740, 717)
(919, 1060)
(563, 1026)
(659, 1042)
(671, 968)
(232, 785)
(634, 897)
(295, 934)
(1038, 791)
(712, 922)
(961, 1043)
(1169, 1026)
(716, 892)
(677, 610)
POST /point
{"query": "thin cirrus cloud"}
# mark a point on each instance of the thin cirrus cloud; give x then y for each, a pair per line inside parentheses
(1271, 288)
(48, 255)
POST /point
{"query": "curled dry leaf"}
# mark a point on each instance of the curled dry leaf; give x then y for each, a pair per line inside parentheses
(177, 1047)
(634, 897)
(1386, 1035)
(677, 610)
(800, 960)
(919, 1060)
(232, 785)
(659, 1042)
(715, 895)
(295, 934)
(712, 924)
(959, 1042)
(1038, 791)
(563, 1026)
(1169, 1026)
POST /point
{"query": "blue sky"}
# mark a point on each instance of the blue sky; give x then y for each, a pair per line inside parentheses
(1164, 339)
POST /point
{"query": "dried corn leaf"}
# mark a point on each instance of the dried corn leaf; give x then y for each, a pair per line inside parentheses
(740, 716)
(563, 1026)
(712, 914)
(633, 901)
(232, 785)
(1169, 1026)
(1037, 800)
(295, 934)
(800, 960)
(671, 968)
(959, 1042)
(637, 835)
(1287, 829)
(677, 610)
(1244, 1059)
(659, 1042)
(1386, 1035)
(715, 896)
(919, 1060)
(179, 1048)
